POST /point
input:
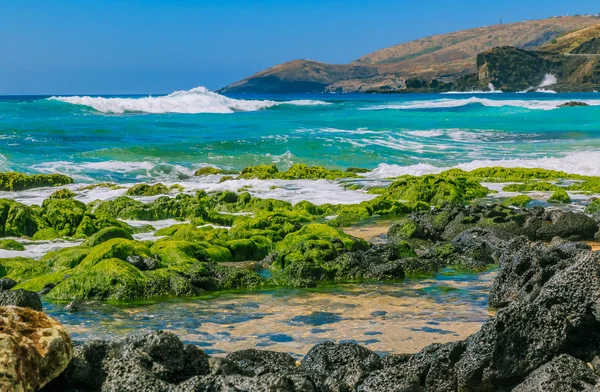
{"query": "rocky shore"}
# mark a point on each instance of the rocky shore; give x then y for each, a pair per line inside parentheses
(546, 294)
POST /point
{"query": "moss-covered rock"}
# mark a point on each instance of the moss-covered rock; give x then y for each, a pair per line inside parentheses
(295, 172)
(148, 190)
(518, 201)
(118, 248)
(11, 245)
(109, 278)
(13, 181)
(21, 268)
(209, 170)
(63, 215)
(315, 243)
(18, 219)
(593, 207)
(62, 194)
(105, 234)
(435, 189)
(254, 248)
(560, 196)
(107, 185)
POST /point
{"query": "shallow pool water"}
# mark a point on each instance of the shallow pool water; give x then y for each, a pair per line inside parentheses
(397, 317)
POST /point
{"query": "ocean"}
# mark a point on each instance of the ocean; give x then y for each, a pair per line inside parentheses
(165, 138)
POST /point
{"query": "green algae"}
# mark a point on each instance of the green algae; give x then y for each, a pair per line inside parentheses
(295, 172)
(148, 190)
(560, 196)
(593, 207)
(13, 181)
(9, 244)
(209, 170)
(105, 234)
(62, 194)
(436, 189)
(518, 201)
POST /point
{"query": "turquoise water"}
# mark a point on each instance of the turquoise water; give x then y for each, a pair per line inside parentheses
(139, 138)
(386, 317)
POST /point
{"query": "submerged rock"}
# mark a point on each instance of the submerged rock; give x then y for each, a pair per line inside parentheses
(572, 104)
(35, 349)
(7, 283)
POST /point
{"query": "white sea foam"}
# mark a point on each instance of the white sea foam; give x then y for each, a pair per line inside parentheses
(548, 104)
(584, 163)
(549, 80)
(37, 249)
(196, 100)
(492, 90)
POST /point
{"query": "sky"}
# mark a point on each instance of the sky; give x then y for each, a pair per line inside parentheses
(159, 46)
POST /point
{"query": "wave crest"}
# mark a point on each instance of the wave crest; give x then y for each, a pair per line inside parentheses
(446, 103)
(194, 101)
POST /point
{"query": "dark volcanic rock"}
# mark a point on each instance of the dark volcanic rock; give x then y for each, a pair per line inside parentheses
(562, 374)
(524, 268)
(342, 367)
(46, 289)
(259, 362)
(480, 247)
(380, 262)
(572, 104)
(154, 362)
(7, 284)
(21, 298)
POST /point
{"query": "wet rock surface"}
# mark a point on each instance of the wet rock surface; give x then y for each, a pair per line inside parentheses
(34, 349)
(544, 337)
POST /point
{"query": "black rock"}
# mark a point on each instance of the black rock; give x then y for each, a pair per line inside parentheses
(259, 362)
(479, 247)
(341, 367)
(562, 374)
(143, 264)
(47, 288)
(572, 104)
(7, 284)
(21, 298)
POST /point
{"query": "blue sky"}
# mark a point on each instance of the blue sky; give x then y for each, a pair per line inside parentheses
(152, 46)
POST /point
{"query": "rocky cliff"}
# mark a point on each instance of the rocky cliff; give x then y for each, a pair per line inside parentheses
(443, 62)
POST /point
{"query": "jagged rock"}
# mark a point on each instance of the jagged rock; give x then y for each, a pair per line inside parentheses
(7, 284)
(156, 361)
(480, 247)
(525, 268)
(342, 367)
(259, 362)
(562, 374)
(21, 298)
(35, 349)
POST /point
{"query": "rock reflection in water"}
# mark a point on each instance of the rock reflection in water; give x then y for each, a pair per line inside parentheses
(398, 317)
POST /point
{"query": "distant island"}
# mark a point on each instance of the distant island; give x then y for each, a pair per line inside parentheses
(559, 54)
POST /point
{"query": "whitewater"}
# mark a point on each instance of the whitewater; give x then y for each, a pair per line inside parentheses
(196, 100)
(132, 139)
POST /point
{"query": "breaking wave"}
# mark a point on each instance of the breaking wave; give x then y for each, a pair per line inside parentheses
(548, 104)
(194, 101)
(584, 163)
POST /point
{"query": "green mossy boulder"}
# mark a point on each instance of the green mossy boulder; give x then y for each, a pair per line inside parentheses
(21, 268)
(11, 245)
(518, 201)
(118, 248)
(17, 219)
(435, 189)
(209, 170)
(147, 190)
(560, 196)
(315, 243)
(305, 172)
(593, 207)
(63, 215)
(178, 253)
(535, 186)
(261, 172)
(108, 279)
(62, 194)
(66, 258)
(105, 234)
(13, 181)
(254, 248)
